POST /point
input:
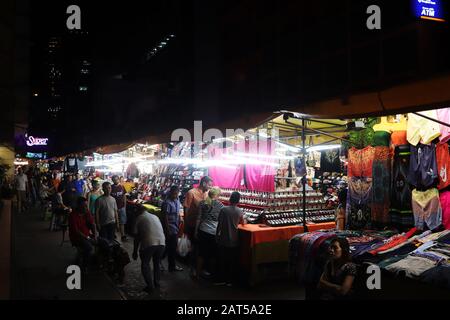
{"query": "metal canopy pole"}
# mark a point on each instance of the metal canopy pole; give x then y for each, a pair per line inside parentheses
(325, 122)
(326, 134)
(431, 119)
(305, 227)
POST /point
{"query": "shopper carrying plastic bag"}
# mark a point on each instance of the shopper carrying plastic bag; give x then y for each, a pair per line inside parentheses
(184, 246)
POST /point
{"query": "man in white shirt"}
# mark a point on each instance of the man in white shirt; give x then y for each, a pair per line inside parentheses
(150, 239)
(21, 182)
(106, 214)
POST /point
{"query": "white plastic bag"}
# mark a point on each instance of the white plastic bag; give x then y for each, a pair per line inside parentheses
(184, 246)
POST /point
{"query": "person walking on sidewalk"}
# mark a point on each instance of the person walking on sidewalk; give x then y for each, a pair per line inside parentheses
(170, 210)
(150, 242)
(205, 232)
(227, 238)
(93, 195)
(191, 210)
(78, 185)
(106, 214)
(118, 192)
(21, 182)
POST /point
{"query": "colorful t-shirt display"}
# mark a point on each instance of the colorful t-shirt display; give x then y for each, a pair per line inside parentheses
(422, 130)
(443, 165)
(427, 208)
(443, 115)
(330, 161)
(360, 162)
(398, 138)
(381, 139)
(359, 203)
(401, 211)
(423, 170)
(381, 181)
(444, 197)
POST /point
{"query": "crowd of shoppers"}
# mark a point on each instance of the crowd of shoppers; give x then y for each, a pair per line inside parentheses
(98, 210)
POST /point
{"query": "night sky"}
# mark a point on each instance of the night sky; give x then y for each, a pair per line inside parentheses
(227, 59)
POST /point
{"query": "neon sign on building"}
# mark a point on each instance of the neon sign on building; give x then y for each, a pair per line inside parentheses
(32, 141)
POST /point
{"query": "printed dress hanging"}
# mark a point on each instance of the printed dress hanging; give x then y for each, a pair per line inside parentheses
(359, 203)
(381, 181)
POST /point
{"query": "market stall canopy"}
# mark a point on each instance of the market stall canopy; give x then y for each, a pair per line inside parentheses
(420, 95)
(414, 96)
(317, 131)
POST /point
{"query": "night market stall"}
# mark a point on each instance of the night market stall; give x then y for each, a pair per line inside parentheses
(397, 184)
(381, 182)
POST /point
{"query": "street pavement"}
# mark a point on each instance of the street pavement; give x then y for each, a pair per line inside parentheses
(40, 263)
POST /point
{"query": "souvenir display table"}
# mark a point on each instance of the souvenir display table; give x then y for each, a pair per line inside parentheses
(260, 244)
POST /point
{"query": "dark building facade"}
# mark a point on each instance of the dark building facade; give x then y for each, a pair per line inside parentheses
(157, 66)
(61, 77)
(281, 54)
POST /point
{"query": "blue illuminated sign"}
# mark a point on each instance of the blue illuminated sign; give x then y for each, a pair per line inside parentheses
(429, 9)
(33, 155)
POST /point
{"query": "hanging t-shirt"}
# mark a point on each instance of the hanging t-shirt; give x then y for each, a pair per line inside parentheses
(398, 138)
(360, 162)
(358, 213)
(71, 165)
(427, 208)
(381, 139)
(423, 171)
(445, 204)
(330, 161)
(443, 165)
(401, 191)
(443, 115)
(391, 124)
(421, 129)
(300, 167)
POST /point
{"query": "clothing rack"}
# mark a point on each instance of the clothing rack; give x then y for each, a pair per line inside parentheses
(304, 128)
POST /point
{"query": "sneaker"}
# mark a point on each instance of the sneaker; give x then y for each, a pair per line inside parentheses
(219, 283)
(229, 284)
(206, 274)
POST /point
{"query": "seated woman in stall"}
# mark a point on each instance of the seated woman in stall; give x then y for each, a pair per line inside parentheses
(339, 273)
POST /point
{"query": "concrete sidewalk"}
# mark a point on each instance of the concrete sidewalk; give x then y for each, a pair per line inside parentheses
(39, 264)
(180, 286)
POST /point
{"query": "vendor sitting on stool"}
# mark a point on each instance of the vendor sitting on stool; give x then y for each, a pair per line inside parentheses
(339, 274)
(82, 229)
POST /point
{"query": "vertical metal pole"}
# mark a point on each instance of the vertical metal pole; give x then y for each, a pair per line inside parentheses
(305, 227)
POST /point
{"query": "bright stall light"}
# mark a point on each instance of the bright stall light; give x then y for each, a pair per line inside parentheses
(286, 147)
(252, 155)
(20, 163)
(324, 147)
